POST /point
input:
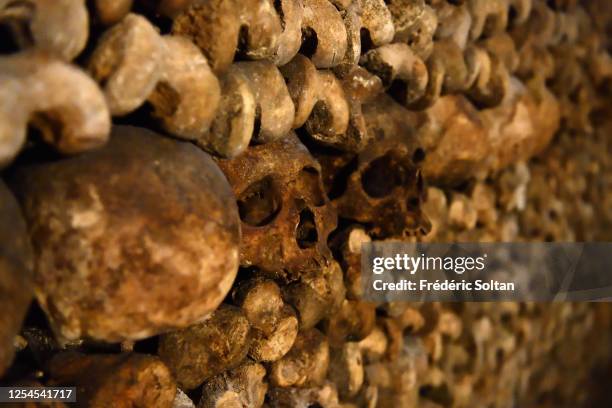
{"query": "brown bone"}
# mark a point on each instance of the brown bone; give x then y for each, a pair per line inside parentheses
(164, 225)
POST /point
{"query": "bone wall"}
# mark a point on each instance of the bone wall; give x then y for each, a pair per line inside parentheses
(185, 186)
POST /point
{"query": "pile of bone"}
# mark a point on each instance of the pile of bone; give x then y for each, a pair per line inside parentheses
(188, 184)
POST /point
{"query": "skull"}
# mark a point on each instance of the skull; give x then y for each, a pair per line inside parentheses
(286, 219)
(286, 216)
(382, 186)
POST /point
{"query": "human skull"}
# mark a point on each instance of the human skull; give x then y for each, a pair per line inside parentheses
(381, 186)
(286, 216)
(286, 219)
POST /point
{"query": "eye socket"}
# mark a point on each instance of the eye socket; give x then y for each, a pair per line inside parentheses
(260, 203)
(384, 174)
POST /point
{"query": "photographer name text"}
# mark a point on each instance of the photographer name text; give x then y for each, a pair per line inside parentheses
(402, 265)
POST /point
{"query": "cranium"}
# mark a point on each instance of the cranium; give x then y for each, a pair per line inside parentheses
(382, 186)
(286, 219)
(285, 214)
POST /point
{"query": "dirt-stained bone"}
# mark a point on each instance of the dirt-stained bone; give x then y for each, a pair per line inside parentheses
(415, 24)
(59, 27)
(274, 324)
(220, 28)
(165, 229)
(114, 380)
(243, 386)
(286, 216)
(186, 97)
(385, 184)
(127, 60)
(377, 22)
(202, 351)
(275, 110)
(16, 277)
(59, 99)
(325, 41)
(109, 12)
(234, 123)
(306, 363)
(290, 40)
(346, 369)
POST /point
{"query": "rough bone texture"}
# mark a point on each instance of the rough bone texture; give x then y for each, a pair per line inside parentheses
(16, 278)
(114, 380)
(202, 351)
(124, 237)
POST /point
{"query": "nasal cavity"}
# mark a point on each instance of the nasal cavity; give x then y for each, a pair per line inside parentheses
(306, 233)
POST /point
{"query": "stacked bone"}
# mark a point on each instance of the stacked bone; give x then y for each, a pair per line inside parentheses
(325, 120)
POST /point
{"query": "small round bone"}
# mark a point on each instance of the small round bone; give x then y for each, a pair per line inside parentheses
(493, 82)
(415, 24)
(290, 40)
(454, 23)
(306, 363)
(59, 27)
(220, 28)
(456, 73)
(109, 12)
(213, 26)
(325, 32)
(330, 103)
(329, 118)
(275, 344)
(374, 347)
(59, 99)
(261, 301)
(318, 294)
(130, 240)
(275, 325)
(16, 277)
(502, 46)
(136, 64)
(377, 20)
(488, 17)
(260, 28)
(346, 369)
(348, 243)
(303, 85)
(127, 61)
(114, 380)
(202, 351)
(232, 128)
(353, 322)
(241, 387)
(274, 105)
(187, 95)
(400, 69)
(360, 86)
